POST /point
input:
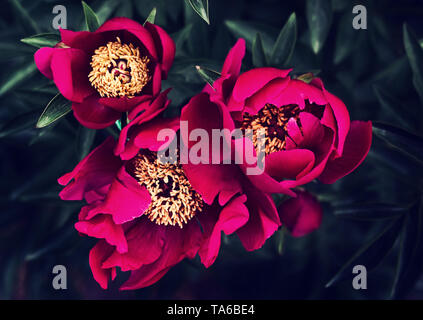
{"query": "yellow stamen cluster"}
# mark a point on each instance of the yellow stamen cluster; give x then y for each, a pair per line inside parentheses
(173, 200)
(273, 120)
(118, 70)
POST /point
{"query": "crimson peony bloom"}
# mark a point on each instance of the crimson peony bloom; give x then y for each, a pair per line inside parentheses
(301, 215)
(308, 130)
(109, 71)
(148, 215)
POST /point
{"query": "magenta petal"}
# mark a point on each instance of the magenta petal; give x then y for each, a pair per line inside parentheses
(233, 60)
(262, 223)
(70, 69)
(94, 172)
(165, 45)
(84, 40)
(356, 148)
(145, 242)
(42, 59)
(137, 199)
(233, 216)
(296, 92)
(102, 226)
(125, 24)
(123, 104)
(92, 114)
(253, 80)
(98, 254)
(147, 137)
(301, 215)
(288, 164)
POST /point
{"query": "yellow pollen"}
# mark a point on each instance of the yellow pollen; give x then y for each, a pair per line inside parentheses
(173, 200)
(273, 120)
(118, 70)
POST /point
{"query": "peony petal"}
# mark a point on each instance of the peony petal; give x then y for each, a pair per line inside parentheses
(123, 104)
(98, 254)
(92, 114)
(356, 148)
(42, 58)
(233, 60)
(83, 40)
(289, 164)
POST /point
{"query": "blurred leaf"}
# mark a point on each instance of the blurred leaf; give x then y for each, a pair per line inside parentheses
(19, 123)
(151, 16)
(399, 138)
(306, 77)
(247, 31)
(42, 40)
(124, 10)
(17, 77)
(210, 76)
(55, 109)
(180, 37)
(345, 39)
(415, 57)
(85, 139)
(28, 23)
(91, 18)
(285, 43)
(201, 7)
(259, 57)
(411, 244)
(393, 106)
(319, 19)
(371, 254)
(374, 211)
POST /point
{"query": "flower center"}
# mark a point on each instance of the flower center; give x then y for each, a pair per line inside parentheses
(273, 120)
(173, 200)
(118, 70)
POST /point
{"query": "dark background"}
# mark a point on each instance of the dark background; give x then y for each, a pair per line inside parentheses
(368, 69)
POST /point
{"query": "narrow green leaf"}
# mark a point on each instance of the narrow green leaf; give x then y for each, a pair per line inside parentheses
(259, 57)
(42, 40)
(151, 16)
(207, 75)
(306, 77)
(406, 142)
(371, 254)
(180, 37)
(91, 18)
(55, 109)
(246, 30)
(373, 211)
(85, 139)
(415, 58)
(28, 23)
(319, 19)
(393, 106)
(21, 122)
(410, 244)
(201, 7)
(285, 43)
(17, 77)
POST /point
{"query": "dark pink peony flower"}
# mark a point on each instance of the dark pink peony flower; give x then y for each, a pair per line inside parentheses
(109, 71)
(308, 130)
(301, 215)
(148, 216)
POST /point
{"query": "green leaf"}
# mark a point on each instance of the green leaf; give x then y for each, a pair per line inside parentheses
(42, 40)
(345, 39)
(208, 75)
(180, 37)
(85, 139)
(27, 22)
(393, 106)
(285, 43)
(415, 57)
(410, 249)
(21, 122)
(55, 109)
(259, 57)
(373, 211)
(306, 77)
(91, 18)
(17, 77)
(371, 254)
(201, 7)
(319, 19)
(406, 142)
(151, 16)
(247, 31)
